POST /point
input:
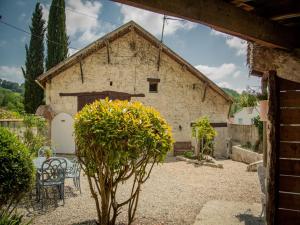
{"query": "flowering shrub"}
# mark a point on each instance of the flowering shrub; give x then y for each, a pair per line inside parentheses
(118, 140)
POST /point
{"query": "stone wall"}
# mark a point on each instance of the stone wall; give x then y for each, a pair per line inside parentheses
(132, 60)
(263, 59)
(243, 155)
(243, 133)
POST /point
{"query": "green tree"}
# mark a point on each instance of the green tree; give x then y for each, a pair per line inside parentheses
(57, 39)
(10, 100)
(236, 98)
(247, 99)
(34, 65)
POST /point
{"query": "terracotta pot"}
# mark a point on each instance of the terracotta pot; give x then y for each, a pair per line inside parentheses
(263, 110)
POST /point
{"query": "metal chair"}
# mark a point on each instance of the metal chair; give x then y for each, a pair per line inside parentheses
(74, 173)
(52, 174)
(261, 171)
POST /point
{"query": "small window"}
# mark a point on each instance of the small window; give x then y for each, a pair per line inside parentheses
(153, 87)
(240, 121)
(153, 84)
(110, 83)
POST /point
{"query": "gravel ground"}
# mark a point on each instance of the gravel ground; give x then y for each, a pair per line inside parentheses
(174, 194)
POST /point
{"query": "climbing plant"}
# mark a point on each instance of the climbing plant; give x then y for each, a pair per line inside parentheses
(116, 141)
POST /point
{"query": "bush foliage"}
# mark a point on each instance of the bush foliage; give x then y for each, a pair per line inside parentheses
(34, 140)
(118, 140)
(204, 134)
(16, 170)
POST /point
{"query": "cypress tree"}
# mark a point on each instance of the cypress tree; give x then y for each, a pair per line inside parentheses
(57, 43)
(34, 64)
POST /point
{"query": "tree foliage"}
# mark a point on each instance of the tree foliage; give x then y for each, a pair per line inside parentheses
(118, 140)
(11, 101)
(13, 86)
(57, 40)
(34, 140)
(34, 65)
(235, 96)
(16, 170)
(247, 99)
(204, 134)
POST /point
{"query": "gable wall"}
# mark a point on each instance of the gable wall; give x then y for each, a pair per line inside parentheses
(129, 69)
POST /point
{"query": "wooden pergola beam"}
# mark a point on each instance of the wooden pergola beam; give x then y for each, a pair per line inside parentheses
(225, 17)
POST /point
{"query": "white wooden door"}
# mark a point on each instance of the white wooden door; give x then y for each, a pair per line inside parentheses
(62, 133)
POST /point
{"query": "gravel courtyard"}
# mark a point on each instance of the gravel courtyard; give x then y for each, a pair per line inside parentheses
(174, 194)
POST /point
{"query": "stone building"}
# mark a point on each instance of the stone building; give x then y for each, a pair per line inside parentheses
(130, 63)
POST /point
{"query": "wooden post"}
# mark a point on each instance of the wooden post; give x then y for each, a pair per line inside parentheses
(273, 153)
(265, 147)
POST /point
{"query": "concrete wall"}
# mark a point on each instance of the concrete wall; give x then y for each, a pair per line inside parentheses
(179, 97)
(243, 133)
(243, 155)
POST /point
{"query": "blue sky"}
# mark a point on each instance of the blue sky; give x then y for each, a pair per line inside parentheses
(220, 57)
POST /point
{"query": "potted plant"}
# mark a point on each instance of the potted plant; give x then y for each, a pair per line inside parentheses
(263, 106)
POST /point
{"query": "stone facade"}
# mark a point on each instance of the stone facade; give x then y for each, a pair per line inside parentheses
(286, 64)
(133, 59)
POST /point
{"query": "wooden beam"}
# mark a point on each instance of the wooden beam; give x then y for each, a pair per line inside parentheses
(81, 71)
(159, 56)
(204, 92)
(98, 93)
(273, 153)
(225, 17)
(108, 51)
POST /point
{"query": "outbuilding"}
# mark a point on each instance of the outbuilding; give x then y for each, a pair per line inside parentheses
(131, 64)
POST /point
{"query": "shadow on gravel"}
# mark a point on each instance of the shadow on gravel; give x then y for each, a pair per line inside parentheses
(249, 219)
(34, 207)
(87, 222)
(91, 222)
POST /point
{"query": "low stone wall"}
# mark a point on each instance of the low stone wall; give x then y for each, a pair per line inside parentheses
(243, 155)
(16, 126)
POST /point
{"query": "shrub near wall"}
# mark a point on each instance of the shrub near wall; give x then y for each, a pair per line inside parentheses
(118, 140)
(16, 170)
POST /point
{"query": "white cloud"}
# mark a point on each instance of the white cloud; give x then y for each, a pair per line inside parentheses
(153, 21)
(236, 74)
(224, 84)
(82, 20)
(72, 51)
(238, 44)
(217, 73)
(11, 73)
(233, 42)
